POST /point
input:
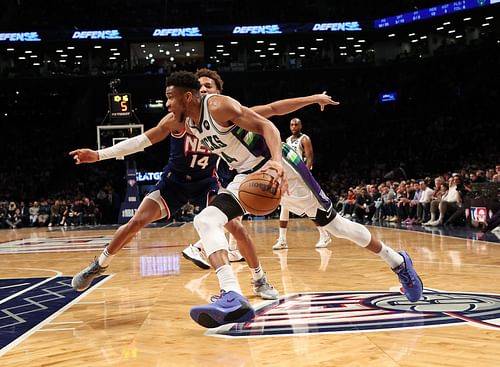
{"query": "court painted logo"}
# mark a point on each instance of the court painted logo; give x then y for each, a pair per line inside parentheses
(28, 304)
(54, 244)
(350, 312)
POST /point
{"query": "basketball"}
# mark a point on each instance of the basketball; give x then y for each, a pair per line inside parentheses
(258, 194)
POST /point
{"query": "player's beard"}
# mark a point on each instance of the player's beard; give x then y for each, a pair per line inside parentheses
(180, 117)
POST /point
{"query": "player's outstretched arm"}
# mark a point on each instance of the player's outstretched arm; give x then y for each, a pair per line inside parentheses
(167, 125)
(84, 156)
(284, 106)
(129, 146)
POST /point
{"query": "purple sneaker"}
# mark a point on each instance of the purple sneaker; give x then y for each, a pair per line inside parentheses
(411, 282)
(227, 308)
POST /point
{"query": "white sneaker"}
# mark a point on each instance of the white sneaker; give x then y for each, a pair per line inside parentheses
(435, 223)
(235, 256)
(323, 242)
(263, 289)
(280, 245)
(194, 254)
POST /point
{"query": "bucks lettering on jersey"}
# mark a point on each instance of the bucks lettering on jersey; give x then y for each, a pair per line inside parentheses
(241, 149)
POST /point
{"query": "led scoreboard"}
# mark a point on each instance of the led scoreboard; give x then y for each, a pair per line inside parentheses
(120, 106)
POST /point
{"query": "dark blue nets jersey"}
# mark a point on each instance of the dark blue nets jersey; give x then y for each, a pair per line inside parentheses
(189, 160)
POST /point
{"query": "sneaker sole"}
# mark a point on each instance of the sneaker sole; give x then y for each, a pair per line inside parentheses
(198, 263)
(218, 317)
(85, 286)
(79, 289)
(266, 297)
(323, 245)
(237, 261)
(280, 248)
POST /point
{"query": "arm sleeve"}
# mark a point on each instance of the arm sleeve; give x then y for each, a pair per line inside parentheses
(126, 147)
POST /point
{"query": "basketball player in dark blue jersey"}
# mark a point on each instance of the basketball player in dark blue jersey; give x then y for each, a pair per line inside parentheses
(189, 175)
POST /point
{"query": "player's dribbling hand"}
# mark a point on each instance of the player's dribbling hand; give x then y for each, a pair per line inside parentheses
(275, 169)
(324, 99)
(84, 156)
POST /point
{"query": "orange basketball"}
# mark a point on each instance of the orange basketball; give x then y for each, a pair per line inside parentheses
(258, 194)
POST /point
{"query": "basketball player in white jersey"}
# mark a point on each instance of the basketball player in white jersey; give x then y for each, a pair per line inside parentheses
(302, 144)
(172, 192)
(249, 142)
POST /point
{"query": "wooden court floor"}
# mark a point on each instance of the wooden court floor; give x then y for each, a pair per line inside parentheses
(342, 306)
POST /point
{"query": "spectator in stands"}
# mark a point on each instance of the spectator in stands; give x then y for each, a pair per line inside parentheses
(377, 217)
(438, 193)
(55, 213)
(340, 203)
(3, 214)
(89, 212)
(25, 214)
(473, 177)
(43, 213)
(463, 188)
(14, 217)
(451, 202)
(403, 197)
(65, 210)
(75, 214)
(424, 202)
(373, 192)
(348, 208)
(388, 210)
(490, 172)
(481, 176)
(413, 204)
(496, 177)
(364, 207)
(33, 210)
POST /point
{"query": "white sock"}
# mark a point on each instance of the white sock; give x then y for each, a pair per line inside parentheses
(257, 272)
(283, 234)
(227, 279)
(198, 244)
(105, 258)
(390, 256)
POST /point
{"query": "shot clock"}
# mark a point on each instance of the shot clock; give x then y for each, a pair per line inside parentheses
(120, 106)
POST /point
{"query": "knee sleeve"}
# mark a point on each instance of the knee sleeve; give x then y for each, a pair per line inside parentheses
(210, 227)
(284, 214)
(228, 205)
(344, 228)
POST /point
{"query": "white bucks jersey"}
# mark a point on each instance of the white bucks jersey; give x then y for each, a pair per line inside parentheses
(242, 150)
(296, 145)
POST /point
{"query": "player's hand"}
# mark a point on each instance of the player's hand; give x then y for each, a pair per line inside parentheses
(275, 169)
(323, 100)
(84, 156)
